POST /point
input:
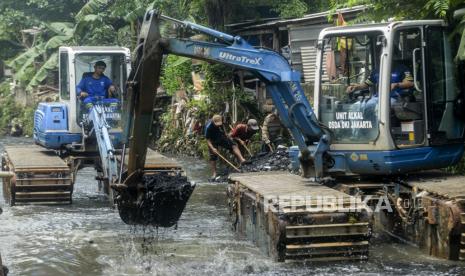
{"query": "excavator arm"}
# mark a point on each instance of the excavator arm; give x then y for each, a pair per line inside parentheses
(281, 80)
(106, 149)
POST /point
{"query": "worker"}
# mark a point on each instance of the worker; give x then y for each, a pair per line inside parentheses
(96, 86)
(401, 78)
(401, 87)
(272, 131)
(216, 136)
(242, 133)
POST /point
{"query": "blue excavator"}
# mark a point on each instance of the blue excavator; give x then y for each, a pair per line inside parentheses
(376, 131)
(368, 133)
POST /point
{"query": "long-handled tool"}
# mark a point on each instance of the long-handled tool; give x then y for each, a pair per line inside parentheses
(229, 163)
(245, 146)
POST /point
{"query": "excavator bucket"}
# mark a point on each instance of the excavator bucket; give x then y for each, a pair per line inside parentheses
(158, 200)
(148, 196)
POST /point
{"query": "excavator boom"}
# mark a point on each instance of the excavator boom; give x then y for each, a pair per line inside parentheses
(281, 80)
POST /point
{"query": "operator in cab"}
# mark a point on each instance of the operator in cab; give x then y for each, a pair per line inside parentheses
(401, 89)
(96, 86)
(401, 79)
(401, 83)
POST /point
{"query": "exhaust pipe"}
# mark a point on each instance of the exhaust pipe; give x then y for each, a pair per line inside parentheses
(6, 174)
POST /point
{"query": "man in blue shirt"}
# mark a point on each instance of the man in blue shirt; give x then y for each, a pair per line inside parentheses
(95, 86)
(401, 86)
(401, 82)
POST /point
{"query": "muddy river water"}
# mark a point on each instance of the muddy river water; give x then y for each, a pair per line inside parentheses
(88, 238)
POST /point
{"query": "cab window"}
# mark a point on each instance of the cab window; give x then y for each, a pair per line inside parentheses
(351, 114)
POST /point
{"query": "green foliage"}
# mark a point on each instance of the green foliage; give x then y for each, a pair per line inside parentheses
(91, 8)
(203, 107)
(11, 21)
(10, 111)
(457, 169)
(26, 119)
(217, 85)
(290, 8)
(7, 106)
(439, 7)
(42, 74)
(414, 9)
(176, 74)
(202, 148)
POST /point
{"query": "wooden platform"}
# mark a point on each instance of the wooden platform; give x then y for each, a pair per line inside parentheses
(33, 156)
(283, 184)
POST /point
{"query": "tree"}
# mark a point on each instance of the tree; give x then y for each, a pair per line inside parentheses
(93, 22)
(57, 23)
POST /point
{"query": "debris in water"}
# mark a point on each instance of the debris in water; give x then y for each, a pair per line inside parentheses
(273, 161)
(278, 160)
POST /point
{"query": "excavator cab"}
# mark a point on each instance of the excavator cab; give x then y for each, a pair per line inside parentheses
(385, 128)
(84, 67)
(60, 124)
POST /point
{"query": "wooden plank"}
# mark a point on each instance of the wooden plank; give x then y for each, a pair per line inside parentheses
(327, 245)
(327, 230)
(314, 226)
(33, 156)
(329, 259)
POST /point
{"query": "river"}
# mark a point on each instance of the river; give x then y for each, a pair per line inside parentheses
(88, 238)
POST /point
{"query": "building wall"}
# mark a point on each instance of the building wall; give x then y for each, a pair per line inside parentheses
(302, 42)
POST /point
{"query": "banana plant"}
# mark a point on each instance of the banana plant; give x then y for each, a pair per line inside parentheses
(98, 22)
(23, 64)
(42, 73)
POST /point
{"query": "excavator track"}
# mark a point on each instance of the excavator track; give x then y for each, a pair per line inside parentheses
(39, 176)
(434, 217)
(287, 217)
(427, 209)
(462, 238)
